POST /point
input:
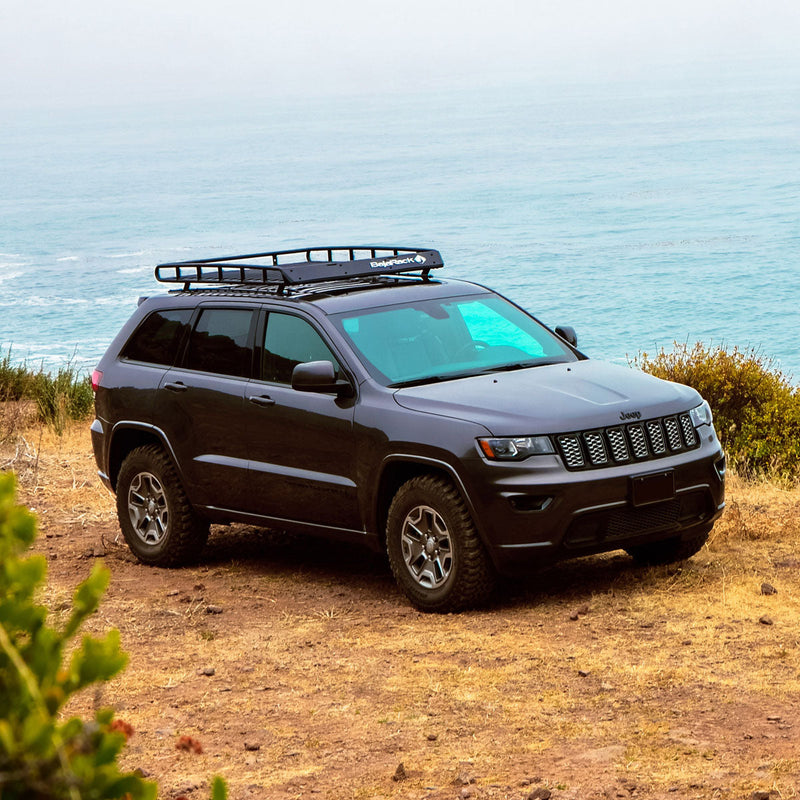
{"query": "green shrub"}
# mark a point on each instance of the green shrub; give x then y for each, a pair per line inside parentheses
(41, 756)
(60, 398)
(756, 407)
(15, 379)
(66, 396)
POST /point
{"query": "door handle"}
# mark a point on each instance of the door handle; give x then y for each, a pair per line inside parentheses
(176, 387)
(262, 400)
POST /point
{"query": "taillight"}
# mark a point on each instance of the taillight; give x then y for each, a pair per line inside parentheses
(97, 376)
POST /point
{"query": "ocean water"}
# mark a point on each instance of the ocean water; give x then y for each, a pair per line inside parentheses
(641, 212)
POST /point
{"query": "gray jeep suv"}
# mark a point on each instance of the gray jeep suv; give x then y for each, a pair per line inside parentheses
(346, 392)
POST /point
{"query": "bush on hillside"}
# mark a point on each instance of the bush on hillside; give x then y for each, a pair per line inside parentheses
(62, 397)
(65, 396)
(756, 408)
(15, 379)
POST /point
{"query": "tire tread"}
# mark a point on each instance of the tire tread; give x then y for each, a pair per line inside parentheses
(188, 532)
(475, 579)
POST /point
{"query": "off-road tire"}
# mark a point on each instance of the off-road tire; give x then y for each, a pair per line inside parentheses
(430, 509)
(158, 522)
(668, 551)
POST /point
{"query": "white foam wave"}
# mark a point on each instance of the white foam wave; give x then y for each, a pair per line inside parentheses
(9, 276)
(68, 258)
(37, 301)
(133, 271)
(127, 255)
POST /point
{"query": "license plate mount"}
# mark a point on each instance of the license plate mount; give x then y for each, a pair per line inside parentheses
(655, 487)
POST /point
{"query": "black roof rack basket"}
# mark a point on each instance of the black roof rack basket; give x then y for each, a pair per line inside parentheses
(306, 265)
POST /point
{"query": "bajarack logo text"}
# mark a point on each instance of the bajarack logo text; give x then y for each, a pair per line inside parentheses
(626, 415)
(397, 262)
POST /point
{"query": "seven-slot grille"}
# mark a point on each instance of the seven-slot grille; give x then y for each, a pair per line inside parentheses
(621, 444)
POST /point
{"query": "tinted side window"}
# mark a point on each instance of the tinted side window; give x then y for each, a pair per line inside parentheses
(220, 342)
(290, 341)
(158, 339)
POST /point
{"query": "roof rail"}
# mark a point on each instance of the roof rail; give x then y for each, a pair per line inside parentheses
(306, 265)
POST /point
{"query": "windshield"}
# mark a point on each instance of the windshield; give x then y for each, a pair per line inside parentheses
(449, 338)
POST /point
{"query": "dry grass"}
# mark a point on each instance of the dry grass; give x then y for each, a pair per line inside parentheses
(668, 684)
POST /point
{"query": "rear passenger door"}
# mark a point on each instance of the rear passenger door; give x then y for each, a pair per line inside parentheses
(199, 405)
(302, 452)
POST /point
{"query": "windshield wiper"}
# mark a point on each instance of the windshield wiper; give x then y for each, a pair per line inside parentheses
(447, 376)
(536, 362)
(469, 373)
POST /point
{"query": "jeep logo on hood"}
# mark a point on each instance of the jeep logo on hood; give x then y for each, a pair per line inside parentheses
(626, 415)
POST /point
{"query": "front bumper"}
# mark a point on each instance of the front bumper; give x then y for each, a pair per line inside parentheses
(536, 511)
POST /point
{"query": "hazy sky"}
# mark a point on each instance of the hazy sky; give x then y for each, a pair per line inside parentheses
(77, 51)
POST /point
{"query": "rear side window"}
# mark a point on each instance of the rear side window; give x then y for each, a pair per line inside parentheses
(290, 341)
(220, 342)
(158, 339)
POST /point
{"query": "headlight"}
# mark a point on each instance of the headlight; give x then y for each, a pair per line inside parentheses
(701, 415)
(515, 448)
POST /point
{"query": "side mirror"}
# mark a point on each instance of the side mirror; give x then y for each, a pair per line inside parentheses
(320, 377)
(567, 333)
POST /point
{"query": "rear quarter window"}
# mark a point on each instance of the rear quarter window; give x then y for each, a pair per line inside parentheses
(158, 339)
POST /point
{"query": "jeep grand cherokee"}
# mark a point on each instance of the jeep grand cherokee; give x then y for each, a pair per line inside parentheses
(349, 393)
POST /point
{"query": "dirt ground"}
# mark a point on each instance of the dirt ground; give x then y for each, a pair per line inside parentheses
(297, 669)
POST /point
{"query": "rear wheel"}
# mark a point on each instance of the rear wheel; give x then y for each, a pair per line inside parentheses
(667, 551)
(155, 516)
(435, 553)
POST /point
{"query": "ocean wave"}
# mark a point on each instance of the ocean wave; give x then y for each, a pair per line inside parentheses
(9, 276)
(38, 301)
(68, 258)
(133, 271)
(127, 255)
(117, 300)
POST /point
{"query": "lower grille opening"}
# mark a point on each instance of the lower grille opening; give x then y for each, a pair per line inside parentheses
(625, 523)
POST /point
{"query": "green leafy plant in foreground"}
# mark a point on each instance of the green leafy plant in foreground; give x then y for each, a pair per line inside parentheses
(42, 756)
(756, 407)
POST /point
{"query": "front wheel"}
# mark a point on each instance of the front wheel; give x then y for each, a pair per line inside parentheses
(156, 518)
(436, 555)
(668, 551)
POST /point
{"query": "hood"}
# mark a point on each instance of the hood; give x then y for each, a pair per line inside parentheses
(552, 399)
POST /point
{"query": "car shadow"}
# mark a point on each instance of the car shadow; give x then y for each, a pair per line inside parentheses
(280, 553)
(324, 563)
